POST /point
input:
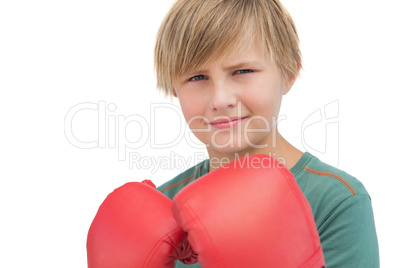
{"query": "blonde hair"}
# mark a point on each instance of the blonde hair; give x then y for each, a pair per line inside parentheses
(196, 32)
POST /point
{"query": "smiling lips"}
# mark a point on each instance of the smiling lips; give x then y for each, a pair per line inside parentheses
(229, 122)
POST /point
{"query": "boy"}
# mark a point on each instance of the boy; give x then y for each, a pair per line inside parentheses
(229, 62)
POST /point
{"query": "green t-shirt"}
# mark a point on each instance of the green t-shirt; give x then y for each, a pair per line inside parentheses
(340, 204)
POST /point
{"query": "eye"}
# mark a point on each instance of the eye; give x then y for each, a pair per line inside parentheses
(197, 78)
(244, 71)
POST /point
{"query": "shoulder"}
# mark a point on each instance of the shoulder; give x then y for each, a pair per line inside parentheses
(313, 172)
(342, 211)
(173, 186)
(325, 186)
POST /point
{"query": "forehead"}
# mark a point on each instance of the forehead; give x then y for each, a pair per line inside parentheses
(247, 54)
(252, 53)
(216, 35)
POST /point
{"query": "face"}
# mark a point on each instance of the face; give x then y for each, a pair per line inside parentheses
(232, 105)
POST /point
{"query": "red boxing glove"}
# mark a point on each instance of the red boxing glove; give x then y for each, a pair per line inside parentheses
(134, 227)
(249, 213)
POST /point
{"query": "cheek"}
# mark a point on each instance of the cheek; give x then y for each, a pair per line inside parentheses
(264, 99)
(191, 108)
(259, 103)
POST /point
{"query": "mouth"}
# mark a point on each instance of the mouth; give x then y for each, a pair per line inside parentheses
(228, 122)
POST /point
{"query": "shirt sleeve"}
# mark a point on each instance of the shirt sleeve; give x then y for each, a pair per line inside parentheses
(348, 235)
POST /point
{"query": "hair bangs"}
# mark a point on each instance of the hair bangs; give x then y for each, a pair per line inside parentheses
(197, 33)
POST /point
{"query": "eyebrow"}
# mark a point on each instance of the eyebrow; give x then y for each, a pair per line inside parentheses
(241, 65)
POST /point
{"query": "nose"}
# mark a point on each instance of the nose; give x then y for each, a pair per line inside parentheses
(223, 97)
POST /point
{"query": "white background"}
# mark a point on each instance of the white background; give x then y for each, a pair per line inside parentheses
(57, 54)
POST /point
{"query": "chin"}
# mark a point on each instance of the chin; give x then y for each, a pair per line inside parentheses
(229, 150)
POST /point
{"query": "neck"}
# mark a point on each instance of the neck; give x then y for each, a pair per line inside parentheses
(280, 149)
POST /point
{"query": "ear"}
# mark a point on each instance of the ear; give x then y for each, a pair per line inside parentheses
(289, 84)
(292, 80)
(174, 93)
